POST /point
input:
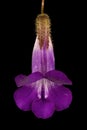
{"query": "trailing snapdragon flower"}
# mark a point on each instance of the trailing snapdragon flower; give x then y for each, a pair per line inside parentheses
(43, 90)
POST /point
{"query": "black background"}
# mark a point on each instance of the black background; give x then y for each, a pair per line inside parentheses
(18, 37)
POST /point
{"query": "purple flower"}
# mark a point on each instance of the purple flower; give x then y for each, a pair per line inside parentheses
(43, 91)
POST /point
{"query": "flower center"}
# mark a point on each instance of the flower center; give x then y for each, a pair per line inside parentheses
(43, 87)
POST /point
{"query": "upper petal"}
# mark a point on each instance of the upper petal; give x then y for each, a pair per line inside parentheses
(24, 96)
(58, 77)
(43, 108)
(22, 80)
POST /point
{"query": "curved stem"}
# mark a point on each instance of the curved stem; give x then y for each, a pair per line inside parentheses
(42, 6)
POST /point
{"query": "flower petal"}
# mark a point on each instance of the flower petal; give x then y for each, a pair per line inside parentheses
(22, 80)
(62, 97)
(43, 108)
(19, 79)
(24, 97)
(58, 77)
